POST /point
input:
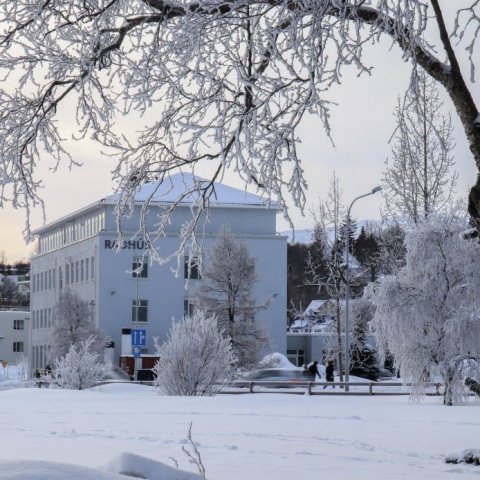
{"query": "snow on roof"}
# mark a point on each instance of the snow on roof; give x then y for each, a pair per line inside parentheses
(314, 306)
(170, 190)
(182, 186)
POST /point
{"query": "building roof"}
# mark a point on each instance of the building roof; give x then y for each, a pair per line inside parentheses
(182, 188)
(170, 191)
(314, 305)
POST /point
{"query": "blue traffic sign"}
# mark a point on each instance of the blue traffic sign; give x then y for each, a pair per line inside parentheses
(139, 337)
(137, 353)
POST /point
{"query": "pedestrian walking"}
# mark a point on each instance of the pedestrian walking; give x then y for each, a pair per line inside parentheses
(329, 373)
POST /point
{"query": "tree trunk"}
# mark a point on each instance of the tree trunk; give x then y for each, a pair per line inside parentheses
(464, 104)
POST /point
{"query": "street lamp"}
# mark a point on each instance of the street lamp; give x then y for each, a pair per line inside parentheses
(347, 286)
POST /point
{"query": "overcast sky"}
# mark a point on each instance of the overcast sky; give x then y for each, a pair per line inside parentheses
(362, 124)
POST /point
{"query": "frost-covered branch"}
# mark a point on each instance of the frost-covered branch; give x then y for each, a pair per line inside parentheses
(225, 83)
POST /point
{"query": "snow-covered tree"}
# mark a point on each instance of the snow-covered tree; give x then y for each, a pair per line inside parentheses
(330, 275)
(81, 368)
(428, 313)
(225, 81)
(391, 240)
(418, 179)
(73, 324)
(196, 359)
(8, 291)
(226, 291)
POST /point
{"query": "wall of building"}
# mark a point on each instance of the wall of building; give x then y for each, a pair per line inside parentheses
(111, 288)
(14, 335)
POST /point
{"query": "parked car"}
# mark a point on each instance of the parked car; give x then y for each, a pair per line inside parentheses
(385, 374)
(285, 375)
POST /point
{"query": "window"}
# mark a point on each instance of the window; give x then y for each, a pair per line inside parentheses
(297, 357)
(81, 270)
(92, 267)
(77, 272)
(139, 310)
(140, 267)
(18, 325)
(67, 274)
(188, 308)
(86, 270)
(60, 278)
(191, 269)
(18, 347)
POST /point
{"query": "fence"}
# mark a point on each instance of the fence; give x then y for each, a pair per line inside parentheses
(344, 388)
(299, 388)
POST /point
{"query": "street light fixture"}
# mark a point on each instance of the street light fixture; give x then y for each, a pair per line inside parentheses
(347, 285)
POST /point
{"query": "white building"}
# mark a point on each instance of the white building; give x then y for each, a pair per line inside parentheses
(78, 251)
(14, 335)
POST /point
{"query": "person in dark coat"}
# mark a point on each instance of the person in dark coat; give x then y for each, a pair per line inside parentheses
(329, 373)
(313, 369)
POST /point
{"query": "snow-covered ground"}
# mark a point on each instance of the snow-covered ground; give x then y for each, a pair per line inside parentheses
(266, 436)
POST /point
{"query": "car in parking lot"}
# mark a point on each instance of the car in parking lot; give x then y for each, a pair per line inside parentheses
(289, 377)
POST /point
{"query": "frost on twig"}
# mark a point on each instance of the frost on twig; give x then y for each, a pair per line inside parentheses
(222, 84)
(193, 454)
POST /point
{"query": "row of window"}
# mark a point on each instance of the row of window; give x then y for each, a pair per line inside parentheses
(75, 272)
(41, 318)
(19, 324)
(140, 309)
(40, 353)
(191, 268)
(43, 281)
(71, 232)
(78, 272)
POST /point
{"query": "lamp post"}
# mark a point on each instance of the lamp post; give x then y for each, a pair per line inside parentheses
(347, 285)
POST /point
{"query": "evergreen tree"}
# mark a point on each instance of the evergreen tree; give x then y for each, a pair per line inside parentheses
(364, 362)
(351, 235)
(367, 251)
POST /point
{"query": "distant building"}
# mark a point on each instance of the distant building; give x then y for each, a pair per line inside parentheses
(78, 252)
(14, 290)
(14, 335)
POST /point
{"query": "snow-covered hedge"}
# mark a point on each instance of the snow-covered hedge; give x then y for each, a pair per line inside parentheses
(471, 455)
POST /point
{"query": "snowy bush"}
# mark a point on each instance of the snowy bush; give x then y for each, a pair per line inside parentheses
(471, 455)
(428, 313)
(196, 359)
(473, 386)
(80, 368)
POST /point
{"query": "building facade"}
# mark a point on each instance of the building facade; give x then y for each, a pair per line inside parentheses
(80, 252)
(14, 335)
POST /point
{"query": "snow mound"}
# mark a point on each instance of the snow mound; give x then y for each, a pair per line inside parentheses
(471, 455)
(39, 470)
(276, 360)
(141, 467)
(120, 468)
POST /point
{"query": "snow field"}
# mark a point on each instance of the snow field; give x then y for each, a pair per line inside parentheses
(267, 436)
